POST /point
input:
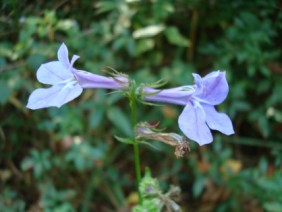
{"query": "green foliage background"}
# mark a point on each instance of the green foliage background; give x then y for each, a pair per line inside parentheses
(67, 159)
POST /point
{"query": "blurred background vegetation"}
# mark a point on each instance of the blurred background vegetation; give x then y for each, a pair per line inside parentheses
(67, 159)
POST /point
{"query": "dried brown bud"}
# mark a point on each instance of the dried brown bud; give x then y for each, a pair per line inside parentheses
(145, 131)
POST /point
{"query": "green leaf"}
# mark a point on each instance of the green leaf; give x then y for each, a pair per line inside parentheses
(144, 45)
(148, 31)
(105, 6)
(272, 206)
(198, 186)
(264, 126)
(35, 60)
(2, 62)
(27, 164)
(174, 37)
(124, 140)
(96, 116)
(6, 92)
(120, 120)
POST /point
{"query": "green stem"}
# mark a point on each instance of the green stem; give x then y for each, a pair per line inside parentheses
(137, 169)
(135, 144)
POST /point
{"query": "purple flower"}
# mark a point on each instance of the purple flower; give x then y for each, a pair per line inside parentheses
(67, 82)
(199, 114)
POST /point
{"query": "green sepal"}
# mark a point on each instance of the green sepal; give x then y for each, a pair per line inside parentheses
(150, 205)
(149, 103)
(124, 140)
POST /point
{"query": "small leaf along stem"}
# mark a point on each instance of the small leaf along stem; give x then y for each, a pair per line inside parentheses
(132, 101)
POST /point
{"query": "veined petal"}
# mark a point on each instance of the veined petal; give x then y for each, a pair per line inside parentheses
(215, 88)
(53, 73)
(218, 121)
(192, 122)
(63, 55)
(56, 96)
(178, 95)
(90, 80)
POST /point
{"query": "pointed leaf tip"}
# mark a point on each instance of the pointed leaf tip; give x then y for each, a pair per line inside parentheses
(124, 140)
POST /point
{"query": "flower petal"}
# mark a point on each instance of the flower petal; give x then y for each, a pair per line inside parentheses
(214, 88)
(73, 59)
(193, 124)
(53, 73)
(56, 95)
(178, 95)
(90, 80)
(218, 121)
(63, 55)
(199, 82)
(212, 74)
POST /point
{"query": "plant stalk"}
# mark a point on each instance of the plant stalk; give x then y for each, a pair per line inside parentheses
(135, 144)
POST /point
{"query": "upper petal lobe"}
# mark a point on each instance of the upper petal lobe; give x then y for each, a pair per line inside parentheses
(214, 88)
(53, 73)
(63, 55)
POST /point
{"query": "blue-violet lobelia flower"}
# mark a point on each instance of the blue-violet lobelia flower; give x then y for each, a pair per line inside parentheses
(67, 82)
(199, 114)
